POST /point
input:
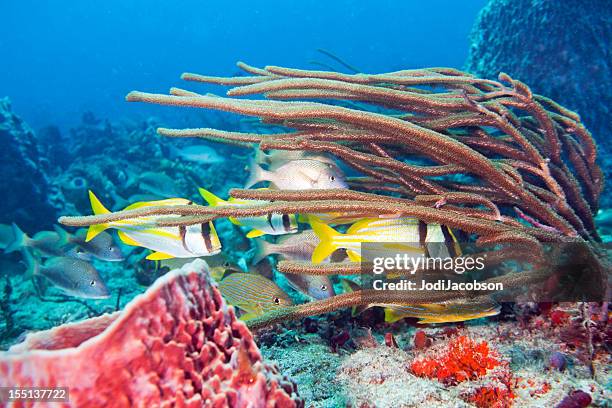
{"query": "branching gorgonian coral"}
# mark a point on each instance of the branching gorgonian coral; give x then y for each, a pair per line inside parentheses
(485, 157)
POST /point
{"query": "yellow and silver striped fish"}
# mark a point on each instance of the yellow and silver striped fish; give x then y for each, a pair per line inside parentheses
(397, 235)
(455, 311)
(270, 224)
(253, 294)
(167, 242)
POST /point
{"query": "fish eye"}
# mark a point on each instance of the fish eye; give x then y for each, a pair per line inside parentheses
(277, 301)
(226, 264)
(323, 287)
(332, 178)
(111, 248)
(92, 283)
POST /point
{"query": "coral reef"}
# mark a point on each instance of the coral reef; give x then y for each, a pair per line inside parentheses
(561, 51)
(488, 158)
(462, 359)
(382, 376)
(22, 162)
(176, 344)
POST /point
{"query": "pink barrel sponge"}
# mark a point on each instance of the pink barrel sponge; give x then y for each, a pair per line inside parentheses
(178, 344)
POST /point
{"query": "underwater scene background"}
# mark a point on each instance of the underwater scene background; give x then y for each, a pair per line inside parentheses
(404, 131)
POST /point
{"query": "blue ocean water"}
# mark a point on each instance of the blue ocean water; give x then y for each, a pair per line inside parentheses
(72, 146)
(60, 59)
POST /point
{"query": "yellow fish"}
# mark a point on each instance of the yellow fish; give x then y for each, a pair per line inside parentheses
(271, 224)
(253, 293)
(167, 242)
(405, 235)
(459, 311)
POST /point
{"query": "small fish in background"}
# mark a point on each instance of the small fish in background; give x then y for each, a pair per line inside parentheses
(271, 224)
(277, 158)
(102, 247)
(253, 294)
(441, 312)
(303, 174)
(314, 286)
(405, 235)
(167, 242)
(296, 247)
(72, 276)
(456, 311)
(158, 184)
(48, 243)
(198, 154)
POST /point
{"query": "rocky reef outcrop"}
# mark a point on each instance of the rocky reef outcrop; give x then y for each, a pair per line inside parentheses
(23, 185)
(561, 49)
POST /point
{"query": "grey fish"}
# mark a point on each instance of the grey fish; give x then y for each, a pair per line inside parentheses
(48, 243)
(295, 247)
(74, 277)
(315, 286)
(102, 246)
(298, 247)
(198, 154)
(157, 183)
(303, 174)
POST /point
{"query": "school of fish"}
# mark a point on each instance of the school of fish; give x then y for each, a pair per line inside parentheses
(65, 259)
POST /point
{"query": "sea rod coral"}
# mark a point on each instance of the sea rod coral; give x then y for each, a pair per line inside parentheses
(178, 344)
(488, 158)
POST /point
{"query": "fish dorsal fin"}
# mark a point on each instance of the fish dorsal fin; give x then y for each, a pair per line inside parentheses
(126, 239)
(159, 256)
(255, 233)
(97, 209)
(96, 206)
(210, 198)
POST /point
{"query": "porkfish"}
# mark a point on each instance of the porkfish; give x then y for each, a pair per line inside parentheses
(270, 224)
(253, 294)
(190, 241)
(396, 235)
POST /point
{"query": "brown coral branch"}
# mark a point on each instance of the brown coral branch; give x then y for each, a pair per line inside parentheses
(373, 297)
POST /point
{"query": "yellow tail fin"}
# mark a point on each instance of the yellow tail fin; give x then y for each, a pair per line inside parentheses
(327, 235)
(98, 209)
(210, 198)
